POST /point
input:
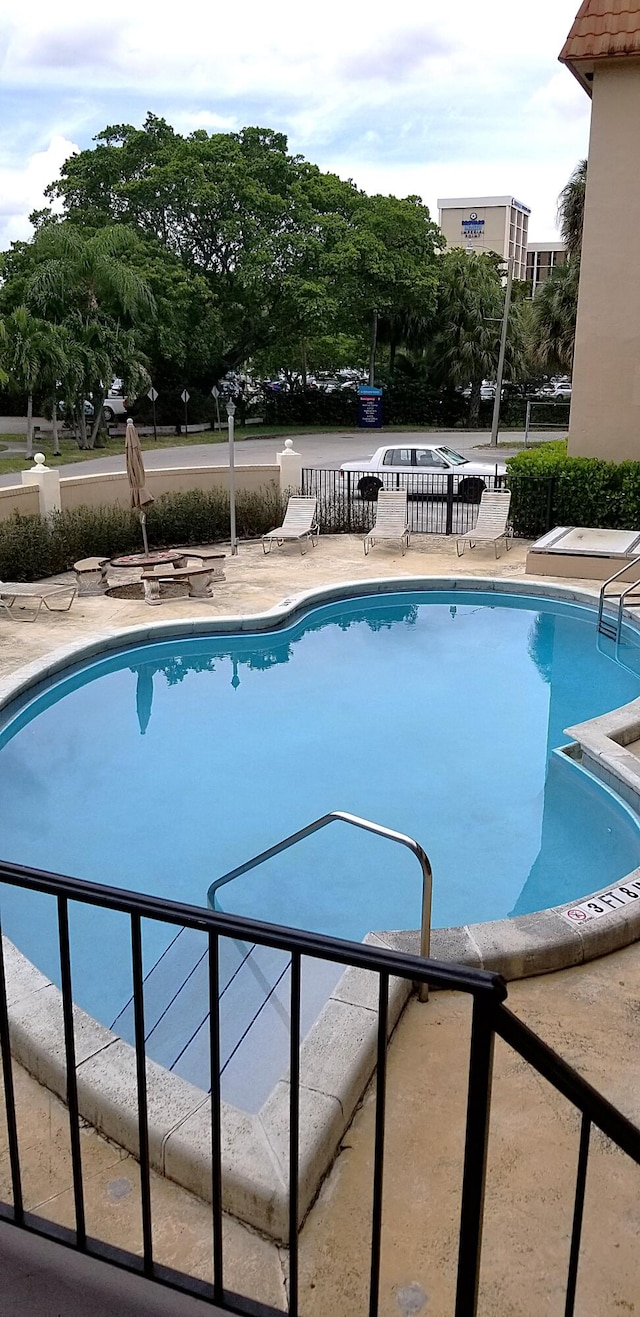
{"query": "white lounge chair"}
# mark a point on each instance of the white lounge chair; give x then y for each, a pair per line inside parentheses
(391, 520)
(491, 524)
(10, 591)
(300, 523)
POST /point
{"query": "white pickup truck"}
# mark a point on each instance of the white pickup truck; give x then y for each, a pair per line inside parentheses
(115, 404)
(404, 467)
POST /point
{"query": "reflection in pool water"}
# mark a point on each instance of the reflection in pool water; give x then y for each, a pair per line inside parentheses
(161, 767)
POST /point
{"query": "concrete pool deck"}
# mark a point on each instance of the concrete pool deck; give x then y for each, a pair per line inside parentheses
(586, 1012)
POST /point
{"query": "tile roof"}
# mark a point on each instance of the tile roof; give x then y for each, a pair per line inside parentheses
(603, 29)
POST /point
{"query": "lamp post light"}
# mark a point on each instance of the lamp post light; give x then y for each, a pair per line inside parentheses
(503, 343)
(231, 411)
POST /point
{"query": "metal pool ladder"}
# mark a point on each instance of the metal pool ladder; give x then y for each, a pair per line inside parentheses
(606, 624)
(338, 815)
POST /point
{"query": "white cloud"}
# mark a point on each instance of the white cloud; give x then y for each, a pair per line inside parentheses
(407, 97)
(189, 121)
(561, 99)
(22, 187)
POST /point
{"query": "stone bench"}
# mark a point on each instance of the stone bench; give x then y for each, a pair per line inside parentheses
(209, 558)
(198, 580)
(91, 575)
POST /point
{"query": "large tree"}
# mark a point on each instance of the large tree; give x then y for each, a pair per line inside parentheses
(289, 254)
(385, 265)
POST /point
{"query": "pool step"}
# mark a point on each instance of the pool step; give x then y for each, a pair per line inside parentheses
(254, 985)
(608, 626)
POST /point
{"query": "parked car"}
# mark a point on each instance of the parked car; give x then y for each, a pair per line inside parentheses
(88, 408)
(409, 464)
(114, 405)
(556, 389)
(487, 391)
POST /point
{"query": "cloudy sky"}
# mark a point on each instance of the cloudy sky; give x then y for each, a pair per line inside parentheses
(441, 100)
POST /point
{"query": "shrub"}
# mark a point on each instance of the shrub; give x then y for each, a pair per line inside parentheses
(550, 489)
(405, 402)
(34, 547)
(27, 551)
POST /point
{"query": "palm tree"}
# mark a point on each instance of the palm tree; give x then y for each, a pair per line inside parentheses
(88, 274)
(571, 210)
(465, 346)
(87, 283)
(553, 319)
(555, 306)
(33, 354)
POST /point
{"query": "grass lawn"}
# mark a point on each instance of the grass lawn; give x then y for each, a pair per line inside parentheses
(69, 451)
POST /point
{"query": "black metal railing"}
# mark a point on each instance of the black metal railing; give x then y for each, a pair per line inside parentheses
(444, 504)
(490, 1017)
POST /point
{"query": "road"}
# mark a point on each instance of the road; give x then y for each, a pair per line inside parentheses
(318, 450)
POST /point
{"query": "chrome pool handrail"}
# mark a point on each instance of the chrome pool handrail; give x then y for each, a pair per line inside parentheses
(602, 599)
(379, 830)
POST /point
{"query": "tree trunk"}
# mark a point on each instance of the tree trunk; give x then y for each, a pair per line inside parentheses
(96, 425)
(374, 344)
(29, 452)
(82, 442)
(392, 354)
(474, 405)
(303, 364)
(54, 429)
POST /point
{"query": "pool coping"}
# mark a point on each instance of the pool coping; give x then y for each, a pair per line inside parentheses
(337, 1059)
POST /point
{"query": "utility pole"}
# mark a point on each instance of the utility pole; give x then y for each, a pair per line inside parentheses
(231, 411)
(374, 344)
(503, 343)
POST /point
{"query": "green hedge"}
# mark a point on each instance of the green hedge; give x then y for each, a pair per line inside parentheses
(405, 402)
(549, 488)
(33, 547)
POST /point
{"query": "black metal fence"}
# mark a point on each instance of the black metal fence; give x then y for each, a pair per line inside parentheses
(444, 504)
(490, 1017)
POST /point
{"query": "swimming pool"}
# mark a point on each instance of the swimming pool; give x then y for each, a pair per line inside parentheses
(160, 767)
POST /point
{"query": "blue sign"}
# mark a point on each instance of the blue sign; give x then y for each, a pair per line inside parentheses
(369, 407)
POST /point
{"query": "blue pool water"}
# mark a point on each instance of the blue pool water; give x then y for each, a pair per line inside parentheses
(160, 768)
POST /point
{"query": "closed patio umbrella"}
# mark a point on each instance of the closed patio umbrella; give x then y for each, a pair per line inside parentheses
(139, 494)
(144, 693)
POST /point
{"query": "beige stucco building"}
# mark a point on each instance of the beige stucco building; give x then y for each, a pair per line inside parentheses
(603, 51)
(487, 224)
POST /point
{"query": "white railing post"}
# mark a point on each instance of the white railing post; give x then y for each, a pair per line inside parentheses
(290, 464)
(48, 483)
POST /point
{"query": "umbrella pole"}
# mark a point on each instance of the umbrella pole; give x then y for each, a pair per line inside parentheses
(143, 524)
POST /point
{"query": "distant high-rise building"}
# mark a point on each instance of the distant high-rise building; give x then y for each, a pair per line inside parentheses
(542, 258)
(487, 224)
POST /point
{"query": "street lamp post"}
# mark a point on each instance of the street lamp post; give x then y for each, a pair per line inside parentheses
(503, 343)
(231, 411)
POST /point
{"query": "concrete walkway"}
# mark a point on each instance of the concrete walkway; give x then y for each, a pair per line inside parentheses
(591, 1014)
